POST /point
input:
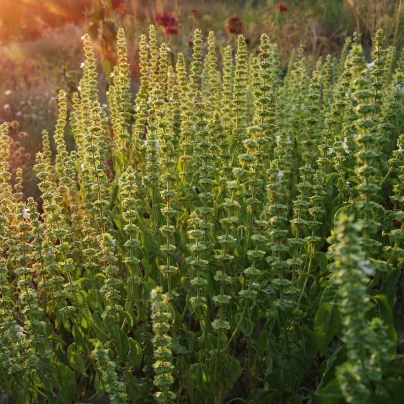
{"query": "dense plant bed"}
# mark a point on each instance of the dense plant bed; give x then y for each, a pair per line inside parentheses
(233, 237)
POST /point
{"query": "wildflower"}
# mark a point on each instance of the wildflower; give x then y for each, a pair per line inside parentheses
(116, 3)
(166, 20)
(20, 332)
(6, 106)
(330, 150)
(280, 175)
(18, 113)
(400, 88)
(400, 150)
(7, 92)
(364, 266)
(194, 11)
(105, 106)
(25, 213)
(288, 140)
(14, 125)
(345, 146)
(278, 138)
(172, 30)
(370, 66)
(234, 25)
(283, 8)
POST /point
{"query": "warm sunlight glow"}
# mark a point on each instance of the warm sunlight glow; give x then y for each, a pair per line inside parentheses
(30, 17)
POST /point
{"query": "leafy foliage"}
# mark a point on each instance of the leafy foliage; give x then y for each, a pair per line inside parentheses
(233, 235)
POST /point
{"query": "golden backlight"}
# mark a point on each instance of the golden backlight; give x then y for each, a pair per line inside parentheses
(25, 19)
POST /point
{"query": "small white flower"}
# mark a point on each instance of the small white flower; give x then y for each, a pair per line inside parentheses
(280, 175)
(20, 332)
(82, 37)
(81, 65)
(400, 150)
(330, 150)
(278, 138)
(289, 140)
(7, 92)
(18, 113)
(25, 213)
(6, 106)
(113, 242)
(168, 49)
(153, 294)
(104, 105)
(364, 266)
(79, 88)
(345, 146)
(370, 66)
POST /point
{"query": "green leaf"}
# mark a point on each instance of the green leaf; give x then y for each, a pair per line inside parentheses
(56, 338)
(257, 395)
(394, 389)
(246, 327)
(336, 359)
(330, 394)
(128, 318)
(79, 339)
(66, 382)
(310, 347)
(115, 187)
(323, 261)
(386, 313)
(200, 378)
(178, 349)
(135, 354)
(123, 341)
(75, 360)
(326, 325)
(117, 218)
(329, 294)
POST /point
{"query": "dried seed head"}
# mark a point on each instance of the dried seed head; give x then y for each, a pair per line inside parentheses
(234, 25)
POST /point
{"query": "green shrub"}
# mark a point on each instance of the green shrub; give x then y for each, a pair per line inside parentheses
(231, 236)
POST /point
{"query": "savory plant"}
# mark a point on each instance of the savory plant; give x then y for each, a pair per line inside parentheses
(233, 236)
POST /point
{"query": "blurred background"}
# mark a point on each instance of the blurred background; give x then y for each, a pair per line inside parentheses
(41, 47)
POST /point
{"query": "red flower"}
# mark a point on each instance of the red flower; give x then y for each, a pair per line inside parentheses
(166, 20)
(117, 3)
(194, 11)
(173, 30)
(282, 7)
